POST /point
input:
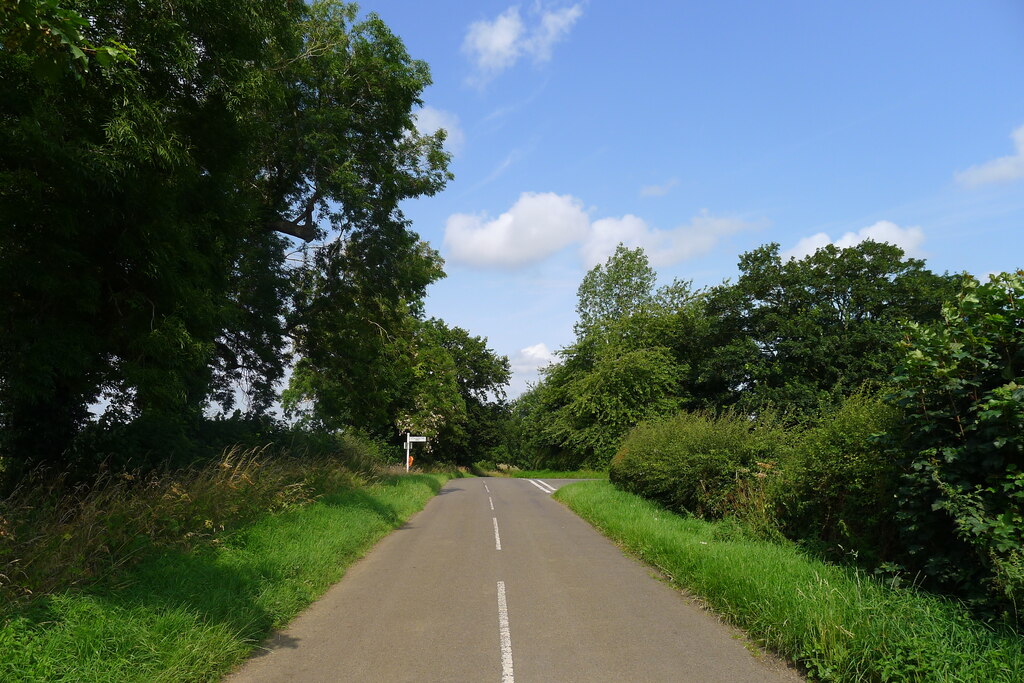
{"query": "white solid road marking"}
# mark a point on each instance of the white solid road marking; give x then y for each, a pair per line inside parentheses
(497, 538)
(506, 636)
(537, 485)
(546, 488)
(489, 500)
(547, 485)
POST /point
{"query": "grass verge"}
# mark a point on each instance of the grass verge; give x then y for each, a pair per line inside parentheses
(837, 623)
(193, 614)
(549, 474)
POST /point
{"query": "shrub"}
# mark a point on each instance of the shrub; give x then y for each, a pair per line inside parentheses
(961, 383)
(838, 482)
(693, 461)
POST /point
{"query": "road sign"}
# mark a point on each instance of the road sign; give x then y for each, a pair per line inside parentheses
(409, 441)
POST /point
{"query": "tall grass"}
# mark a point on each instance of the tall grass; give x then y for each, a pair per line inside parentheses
(54, 535)
(839, 624)
(193, 614)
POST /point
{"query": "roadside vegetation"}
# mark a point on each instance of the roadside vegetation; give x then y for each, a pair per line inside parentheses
(178, 576)
(850, 401)
(213, 332)
(557, 474)
(828, 451)
(213, 327)
(484, 468)
(836, 622)
(202, 230)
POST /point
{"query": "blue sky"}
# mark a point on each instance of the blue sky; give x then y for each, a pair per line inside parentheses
(701, 130)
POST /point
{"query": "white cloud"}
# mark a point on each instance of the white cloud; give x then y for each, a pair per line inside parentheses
(658, 190)
(532, 358)
(537, 225)
(1001, 170)
(807, 246)
(494, 46)
(663, 247)
(908, 239)
(428, 120)
(553, 26)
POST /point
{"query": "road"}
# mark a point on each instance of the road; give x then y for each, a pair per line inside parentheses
(495, 581)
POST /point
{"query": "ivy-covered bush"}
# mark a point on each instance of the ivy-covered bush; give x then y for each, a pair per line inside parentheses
(693, 461)
(962, 386)
(837, 484)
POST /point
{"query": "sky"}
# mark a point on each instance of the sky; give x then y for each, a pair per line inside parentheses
(700, 131)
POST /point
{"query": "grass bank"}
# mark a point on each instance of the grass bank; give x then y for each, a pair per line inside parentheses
(192, 613)
(837, 623)
(557, 474)
(483, 470)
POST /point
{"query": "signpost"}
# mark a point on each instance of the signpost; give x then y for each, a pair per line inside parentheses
(409, 441)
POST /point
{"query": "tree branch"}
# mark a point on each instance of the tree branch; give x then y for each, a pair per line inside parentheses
(303, 226)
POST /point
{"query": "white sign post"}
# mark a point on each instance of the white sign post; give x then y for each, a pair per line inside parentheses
(409, 441)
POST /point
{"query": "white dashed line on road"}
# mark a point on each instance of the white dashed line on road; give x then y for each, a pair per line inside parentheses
(491, 501)
(497, 537)
(505, 635)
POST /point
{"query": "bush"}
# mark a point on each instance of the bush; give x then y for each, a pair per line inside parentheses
(961, 383)
(693, 461)
(838, 482)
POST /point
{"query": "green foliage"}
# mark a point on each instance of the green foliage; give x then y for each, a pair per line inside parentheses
(691, 462)
(622, 388)
(417, 376)
(52, 37)
(960, 384)
(614, 290)
(55, 533)
(800, 333)
(839, 624)
(787, 337)
(621, 370)
(838, 481)
(476, 380)
(142, 257)
(194, 611)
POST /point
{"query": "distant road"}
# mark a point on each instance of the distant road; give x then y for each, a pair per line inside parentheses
(495, 581)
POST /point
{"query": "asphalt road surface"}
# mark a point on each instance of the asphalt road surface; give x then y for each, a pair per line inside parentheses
(495, 581)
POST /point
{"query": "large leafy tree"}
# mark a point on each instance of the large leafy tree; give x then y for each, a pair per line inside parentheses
(621, 369)
(794, 333)
(480, 377)
(144, 204)
(399, 373)
(357, 334)
(611, 291)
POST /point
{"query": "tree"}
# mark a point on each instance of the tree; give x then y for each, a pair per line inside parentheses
(793, 334)
(480, 377)
(141, 200)
(52, 37)
(622, 368)
(618, 288)
(357, 334)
